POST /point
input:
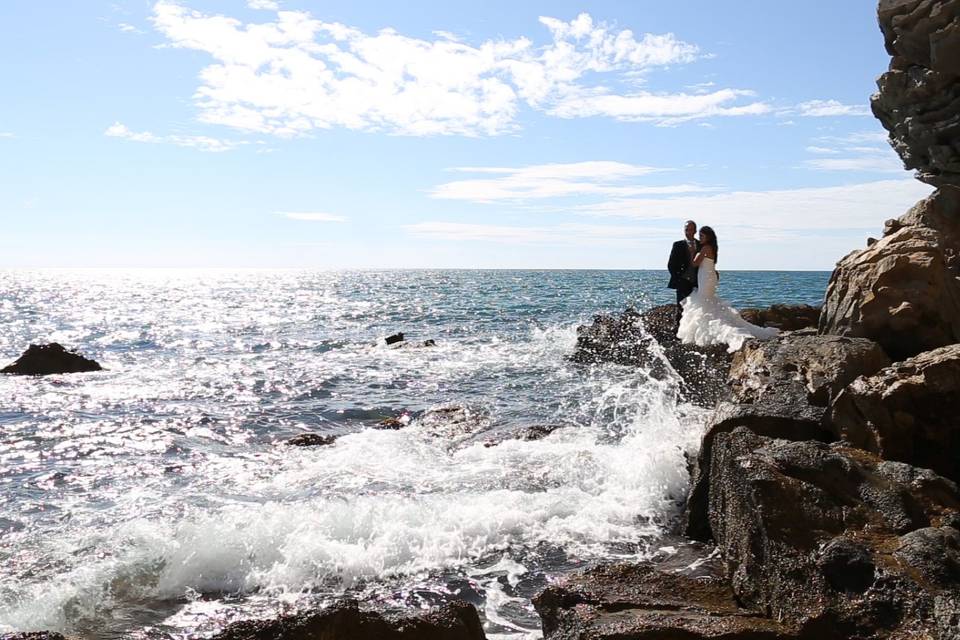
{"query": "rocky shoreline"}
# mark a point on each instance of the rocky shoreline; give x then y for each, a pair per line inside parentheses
(825, 492)
(824, 502)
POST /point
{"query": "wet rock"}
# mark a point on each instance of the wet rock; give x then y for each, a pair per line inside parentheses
(909, 411)
(903, 291)
(33, 635)
(539, 431)
(395, 338)
(44, 359)
(457, 620)
(821, 536)
(786, 317)
(918, 100)
(454, 422)
(657, 600)
(311, 440)
(430, 343)
(779, 388)
(648, 340)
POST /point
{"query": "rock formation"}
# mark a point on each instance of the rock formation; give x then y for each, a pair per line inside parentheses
(904, 290)
(457, 620)
(44, 359)
(918, 100)
(908, 412)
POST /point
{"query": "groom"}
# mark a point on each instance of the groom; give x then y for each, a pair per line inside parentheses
(683, 275)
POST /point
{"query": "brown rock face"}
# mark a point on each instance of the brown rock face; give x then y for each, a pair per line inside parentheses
(836, 539)
(903, 291)
(908, 412)
(345, 621)
(655, 600)
(780, 388)
(918, 100)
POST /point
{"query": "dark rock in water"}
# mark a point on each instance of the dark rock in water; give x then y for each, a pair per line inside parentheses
(909, 412)
(33, 635)
(658, 600)
(44, 359)
(918, 100)
(903, 291)
(457, 620)
(779, 388)
(786, 317)
(648, 340)
(430, 343)
(311, 440)
(395, 422)
(397, 337)
(539, 431)
(454, 422)
(834, 538)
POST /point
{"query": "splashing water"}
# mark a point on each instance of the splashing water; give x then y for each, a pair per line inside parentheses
(155, 498)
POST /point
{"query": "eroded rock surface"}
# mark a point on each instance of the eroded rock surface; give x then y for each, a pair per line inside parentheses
(903, 291)
(346, 621)
(786, 317)
(656, 600)
(834, 538)
(918, 100)
(45, 359)
(779, 388)
(909, 412)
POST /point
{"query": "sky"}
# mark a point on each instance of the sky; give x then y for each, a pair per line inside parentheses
(424, 134)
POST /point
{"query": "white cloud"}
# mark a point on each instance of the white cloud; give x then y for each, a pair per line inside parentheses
(855, 206)
(6, 134)
(859, 151)
(593, 178)
(825, 108)
(311, 216)
(269, 5)
(203, 143)
(128, 28)
(562, 234)
(297, 74)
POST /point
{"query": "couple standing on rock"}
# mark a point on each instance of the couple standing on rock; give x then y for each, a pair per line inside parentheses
(703, 318)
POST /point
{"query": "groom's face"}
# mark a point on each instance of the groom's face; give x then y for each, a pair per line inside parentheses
(690, 230)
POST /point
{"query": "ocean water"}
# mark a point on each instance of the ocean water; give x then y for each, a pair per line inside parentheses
(156, 499)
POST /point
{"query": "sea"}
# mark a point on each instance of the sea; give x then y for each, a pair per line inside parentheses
(158, 498)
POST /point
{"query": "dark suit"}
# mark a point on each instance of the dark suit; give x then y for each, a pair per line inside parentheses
(678, 263)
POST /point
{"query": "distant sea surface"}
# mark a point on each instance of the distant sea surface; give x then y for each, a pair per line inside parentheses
(156, 499)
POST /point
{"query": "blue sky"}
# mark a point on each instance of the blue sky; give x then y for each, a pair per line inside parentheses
(260, 133)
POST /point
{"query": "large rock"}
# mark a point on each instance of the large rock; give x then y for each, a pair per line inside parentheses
(657, 600)
(779, 388)
(902, 291)
(918, 100)
(649, 340)
(835, 539)
(457, 620)
(908, 412)
(786, 317)
(44, 359)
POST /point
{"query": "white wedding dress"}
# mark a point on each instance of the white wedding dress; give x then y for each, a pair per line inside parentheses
(709, 320)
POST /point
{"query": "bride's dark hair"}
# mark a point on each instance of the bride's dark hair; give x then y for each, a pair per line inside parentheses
(711, 240)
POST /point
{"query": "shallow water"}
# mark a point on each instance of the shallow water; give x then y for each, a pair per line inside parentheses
(156, 499)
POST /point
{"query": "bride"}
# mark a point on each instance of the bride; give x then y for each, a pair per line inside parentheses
(707, 319)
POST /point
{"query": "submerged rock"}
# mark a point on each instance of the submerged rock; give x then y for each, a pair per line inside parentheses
(45, 359)
(457, 620)
(834, 538)
(904, 290)
(311, 440)
(909, 412)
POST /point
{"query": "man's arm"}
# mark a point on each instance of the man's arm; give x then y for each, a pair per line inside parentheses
(675, 265)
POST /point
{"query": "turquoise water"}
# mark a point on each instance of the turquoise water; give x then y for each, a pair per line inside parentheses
(156, 498)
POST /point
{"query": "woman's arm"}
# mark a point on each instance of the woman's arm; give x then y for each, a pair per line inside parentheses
(705, 252)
